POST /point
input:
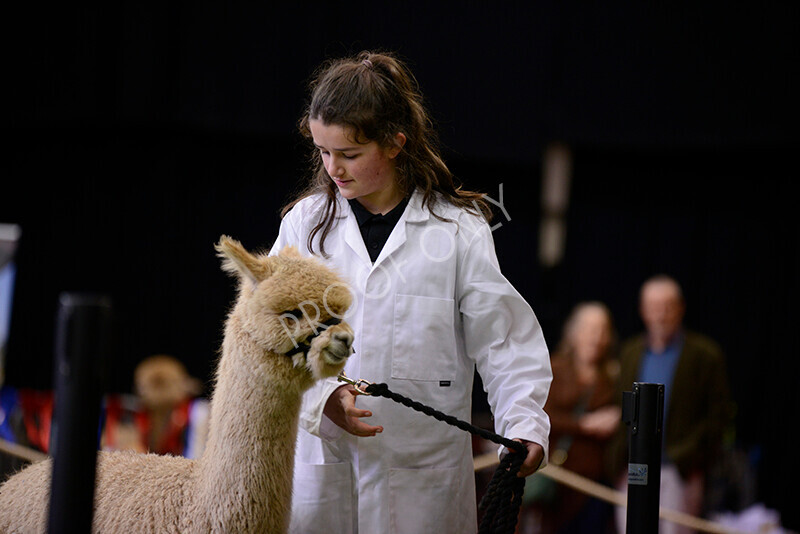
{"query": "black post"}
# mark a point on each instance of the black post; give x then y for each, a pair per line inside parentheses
(82, 350)
(643, 412)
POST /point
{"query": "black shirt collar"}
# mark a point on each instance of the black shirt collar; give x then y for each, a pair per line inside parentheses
(364, 217)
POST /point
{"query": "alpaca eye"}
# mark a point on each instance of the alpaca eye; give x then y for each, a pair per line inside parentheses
(297, 314)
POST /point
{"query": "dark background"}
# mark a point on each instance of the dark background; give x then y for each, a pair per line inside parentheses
(138, 133)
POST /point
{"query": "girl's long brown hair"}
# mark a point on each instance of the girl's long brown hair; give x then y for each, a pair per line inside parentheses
(377, 96)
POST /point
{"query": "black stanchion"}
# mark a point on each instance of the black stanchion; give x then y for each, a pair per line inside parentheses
(83, 333)
(643, 412)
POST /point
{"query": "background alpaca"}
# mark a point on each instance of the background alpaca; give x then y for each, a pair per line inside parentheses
(243, 481)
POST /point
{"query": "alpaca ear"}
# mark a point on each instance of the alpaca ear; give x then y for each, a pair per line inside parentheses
(238, 261)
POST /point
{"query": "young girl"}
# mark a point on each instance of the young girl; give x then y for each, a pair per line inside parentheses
(430, 304)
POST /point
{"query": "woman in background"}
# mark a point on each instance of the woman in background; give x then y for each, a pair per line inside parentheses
(583, 418)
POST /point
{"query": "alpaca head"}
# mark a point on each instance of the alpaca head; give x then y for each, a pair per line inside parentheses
(286, 300)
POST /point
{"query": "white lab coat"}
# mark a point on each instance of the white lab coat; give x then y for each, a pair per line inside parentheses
(432, 307)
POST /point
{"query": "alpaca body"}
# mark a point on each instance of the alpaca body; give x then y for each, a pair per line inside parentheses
(133, 491)
(243, 481)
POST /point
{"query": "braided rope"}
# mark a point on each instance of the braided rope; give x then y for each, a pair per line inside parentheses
(501, 503)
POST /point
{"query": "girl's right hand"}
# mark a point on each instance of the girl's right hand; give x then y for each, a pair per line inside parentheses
(341, 409)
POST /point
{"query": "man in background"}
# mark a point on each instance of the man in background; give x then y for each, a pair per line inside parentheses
(697, 405)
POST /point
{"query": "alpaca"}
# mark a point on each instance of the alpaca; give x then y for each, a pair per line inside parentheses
(243, 481)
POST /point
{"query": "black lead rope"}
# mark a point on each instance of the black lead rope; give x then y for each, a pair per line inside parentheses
(501, 503)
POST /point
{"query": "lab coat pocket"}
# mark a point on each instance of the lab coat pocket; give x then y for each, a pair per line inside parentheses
(322, 499)
(424, 338)
(424, 500)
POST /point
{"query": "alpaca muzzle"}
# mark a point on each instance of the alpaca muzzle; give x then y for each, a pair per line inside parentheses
(304, 346)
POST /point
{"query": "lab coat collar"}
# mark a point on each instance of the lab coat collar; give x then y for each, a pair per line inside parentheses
(414, 213)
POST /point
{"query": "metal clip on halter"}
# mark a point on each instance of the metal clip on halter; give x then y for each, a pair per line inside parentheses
(357, 384)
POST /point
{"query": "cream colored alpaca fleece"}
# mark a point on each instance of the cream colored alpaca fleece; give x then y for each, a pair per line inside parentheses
(243, 481)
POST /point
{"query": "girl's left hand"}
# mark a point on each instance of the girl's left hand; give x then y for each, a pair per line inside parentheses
(533, 460)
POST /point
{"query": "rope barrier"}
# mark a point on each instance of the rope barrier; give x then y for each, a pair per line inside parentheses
(503, 496)
(604, 493)
(19, 451)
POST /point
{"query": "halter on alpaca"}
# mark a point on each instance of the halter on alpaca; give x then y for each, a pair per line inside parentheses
(305, 345)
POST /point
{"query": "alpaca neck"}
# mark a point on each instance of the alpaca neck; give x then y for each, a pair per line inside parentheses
(245, 473)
